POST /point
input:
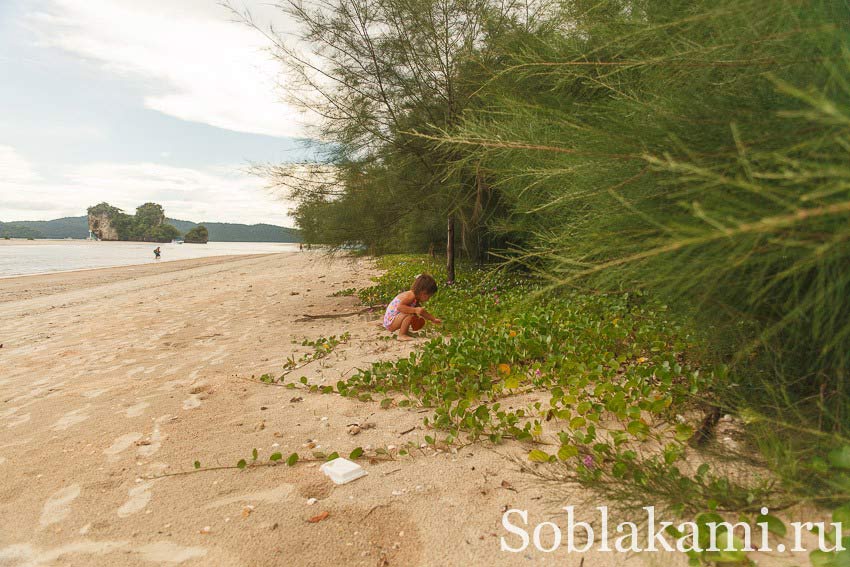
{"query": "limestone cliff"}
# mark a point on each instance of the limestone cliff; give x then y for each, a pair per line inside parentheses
(100, 222)
(147, 225)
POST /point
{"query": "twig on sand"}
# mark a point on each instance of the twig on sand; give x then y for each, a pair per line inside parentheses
(308, 317)
(376, 507)
(371, 458)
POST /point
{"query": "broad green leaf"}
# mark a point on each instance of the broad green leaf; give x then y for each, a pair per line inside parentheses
(724, 538)
(842, 514)
(840, 458)
(683, 432)
(637, 428)
(567, 452)
(538, 456)
(774, 524)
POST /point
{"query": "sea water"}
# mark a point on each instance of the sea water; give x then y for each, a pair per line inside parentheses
(24, 257)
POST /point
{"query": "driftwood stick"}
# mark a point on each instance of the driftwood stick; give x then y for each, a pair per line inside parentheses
(308, 317)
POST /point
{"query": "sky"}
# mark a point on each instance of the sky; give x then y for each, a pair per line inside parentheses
(129, 102)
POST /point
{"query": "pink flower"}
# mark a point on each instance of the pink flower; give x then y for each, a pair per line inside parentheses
(588, 461)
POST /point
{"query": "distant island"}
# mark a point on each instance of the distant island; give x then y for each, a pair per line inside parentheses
(147, 225)
(78, 228)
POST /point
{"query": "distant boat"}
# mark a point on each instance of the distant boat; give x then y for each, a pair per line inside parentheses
(177, 241)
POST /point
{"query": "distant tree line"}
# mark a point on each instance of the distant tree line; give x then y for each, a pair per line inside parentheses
(77, 227)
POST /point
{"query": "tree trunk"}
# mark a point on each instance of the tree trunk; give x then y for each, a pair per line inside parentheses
(450, 251)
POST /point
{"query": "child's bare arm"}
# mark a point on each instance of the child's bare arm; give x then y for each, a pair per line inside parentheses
(404, 305)
(430, 317)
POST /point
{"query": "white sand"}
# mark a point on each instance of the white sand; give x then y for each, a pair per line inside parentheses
(113, 376)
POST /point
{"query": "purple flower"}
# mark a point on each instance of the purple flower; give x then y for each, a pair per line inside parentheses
(538, 372)
(588, 461)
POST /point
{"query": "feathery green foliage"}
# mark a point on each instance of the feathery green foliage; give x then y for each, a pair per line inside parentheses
(698, 150)
(692, 150)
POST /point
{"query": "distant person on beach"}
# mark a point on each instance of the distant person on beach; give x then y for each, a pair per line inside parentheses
(405, 311)
(301, 247)
(156, 252)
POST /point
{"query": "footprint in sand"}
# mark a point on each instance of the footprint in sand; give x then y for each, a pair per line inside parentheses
(70, 419)
(167, 552)
(8, 412)
(135, 371)
(121, 444)
(197, 392)
(95, 393)
(139, 495)
(58, 506)
(159, 552)
(18, 420)
(137, 410)
(24, 554)
(272, 496)
(155, 441)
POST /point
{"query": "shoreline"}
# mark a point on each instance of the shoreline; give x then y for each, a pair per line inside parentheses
(63, 256)
(186, 261)
(29, 286)
(37, 241)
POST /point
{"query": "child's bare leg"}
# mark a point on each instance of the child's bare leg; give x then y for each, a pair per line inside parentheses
(405, 325)
(396, 324)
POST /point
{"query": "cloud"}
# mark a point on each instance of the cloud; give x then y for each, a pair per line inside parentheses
(223, 194)
(195, 63)
(14, 168)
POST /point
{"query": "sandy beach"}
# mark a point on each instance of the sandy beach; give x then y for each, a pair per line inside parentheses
(112, 378)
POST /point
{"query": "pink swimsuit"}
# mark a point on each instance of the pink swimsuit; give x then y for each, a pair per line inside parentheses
(392, 310)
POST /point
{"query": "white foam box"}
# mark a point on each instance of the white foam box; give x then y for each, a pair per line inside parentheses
(342, 471)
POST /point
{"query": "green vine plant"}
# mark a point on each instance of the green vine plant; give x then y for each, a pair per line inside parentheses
(617, 391)
(348, 292)
(620, 391)
(410, 449)
(322, 347)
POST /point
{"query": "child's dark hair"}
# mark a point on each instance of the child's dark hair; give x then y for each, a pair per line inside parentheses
(424, 284)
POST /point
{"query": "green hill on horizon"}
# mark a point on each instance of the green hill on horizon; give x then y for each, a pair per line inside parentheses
(78, 228)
